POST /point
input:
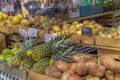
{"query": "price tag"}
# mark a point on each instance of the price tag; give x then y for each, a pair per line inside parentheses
(87, 31)
(48, 38)
(8, 8)
(23, 32)
(32, 32)
(53, 36)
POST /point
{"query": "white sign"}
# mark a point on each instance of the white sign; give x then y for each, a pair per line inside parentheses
(32, 32)
(8, 8)
(49, 37)
(23, 32)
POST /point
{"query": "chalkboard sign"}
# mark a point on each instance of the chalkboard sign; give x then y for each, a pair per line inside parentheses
(32, 6)
(87, 31)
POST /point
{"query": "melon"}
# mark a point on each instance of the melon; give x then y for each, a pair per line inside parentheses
(1, 58)
(13, 51)
(6, 51)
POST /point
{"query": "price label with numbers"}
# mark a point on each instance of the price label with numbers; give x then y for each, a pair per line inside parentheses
(8, 8)
(23, 32)
(33, 32)
(87, 31)
(49, 37)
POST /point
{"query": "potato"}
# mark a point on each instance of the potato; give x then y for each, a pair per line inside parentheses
(117, 77)
(74, 77)
(61, 65)
(103, 79)
(110, 63)
(73, 67)
(109, 75)
(88, 76)
(81, 68)
(93, 78)
(52, 71)
(66, 75)
(95, 69)
(84, 58)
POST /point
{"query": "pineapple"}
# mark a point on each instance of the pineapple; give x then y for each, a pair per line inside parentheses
(41, 51)
(28, 43)
(27, 63)
(41, 65)
(64, 54)
(16, 60)
(48, 49)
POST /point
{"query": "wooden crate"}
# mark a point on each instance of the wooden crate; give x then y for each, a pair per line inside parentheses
(2, 43)
(14, 37)
(82, 39)
(9, 29)
(35, 76)
(112, 19)
(108, 42)
(14, 71)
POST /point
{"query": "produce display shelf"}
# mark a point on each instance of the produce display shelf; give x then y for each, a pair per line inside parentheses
(91, 16)
(104, 49)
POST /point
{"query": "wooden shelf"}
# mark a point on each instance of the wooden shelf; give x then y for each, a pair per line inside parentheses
(91, 16)
(102, 47)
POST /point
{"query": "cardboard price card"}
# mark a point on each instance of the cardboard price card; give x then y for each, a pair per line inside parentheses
(32, 32)
(49, 37)
(23, 32)
(87, 31)
(8, 8)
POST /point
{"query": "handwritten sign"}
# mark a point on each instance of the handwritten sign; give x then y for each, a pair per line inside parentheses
(23, 32)
(8, 8)
(32, 6)
(32, 32)
(87, 31)
(49, 37)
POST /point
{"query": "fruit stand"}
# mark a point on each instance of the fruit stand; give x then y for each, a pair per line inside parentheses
(60, 40)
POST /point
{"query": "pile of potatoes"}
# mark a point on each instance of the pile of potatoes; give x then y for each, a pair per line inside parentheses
(85, 67)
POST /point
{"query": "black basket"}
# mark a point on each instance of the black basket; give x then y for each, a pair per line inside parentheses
(84, 49)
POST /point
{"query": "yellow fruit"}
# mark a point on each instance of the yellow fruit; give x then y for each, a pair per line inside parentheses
(20, 16)
(75, 22)
(65, 26)
(78, 26)
(86, 22)
(23, 21)
(56, 28)
(16, 20)
(1, 17)
(5, 16)
(79, 32)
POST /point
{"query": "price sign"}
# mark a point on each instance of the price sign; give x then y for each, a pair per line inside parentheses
(8, 8)
(23, 32)
(32, 32)
(49, 37)
(53, 36)
(87, 31)
(32, 6)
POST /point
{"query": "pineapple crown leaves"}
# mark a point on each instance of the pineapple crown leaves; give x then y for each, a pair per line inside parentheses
(28, 43)
(60, 41)
(64, 54)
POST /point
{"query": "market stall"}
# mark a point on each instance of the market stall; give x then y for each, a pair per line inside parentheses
(60, 40)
